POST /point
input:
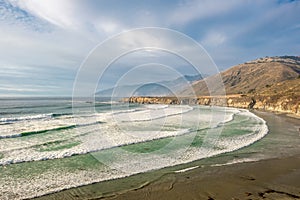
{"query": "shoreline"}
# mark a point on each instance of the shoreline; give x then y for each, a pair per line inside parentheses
(130, 188)
(243, 101)
(236, 181)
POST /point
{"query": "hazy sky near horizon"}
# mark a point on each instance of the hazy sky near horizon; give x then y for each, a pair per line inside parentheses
(44, 42)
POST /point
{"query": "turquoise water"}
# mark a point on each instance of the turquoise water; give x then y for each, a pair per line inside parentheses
(47, 145)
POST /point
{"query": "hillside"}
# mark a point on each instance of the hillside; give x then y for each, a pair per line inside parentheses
(254, 77)
(271, 83)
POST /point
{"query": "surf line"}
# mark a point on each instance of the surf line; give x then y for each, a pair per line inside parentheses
(186, 169)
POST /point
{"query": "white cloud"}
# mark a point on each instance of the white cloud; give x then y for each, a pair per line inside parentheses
(71, 15)
(213, 39)
(192, 10)
(22, 47)
(23, 88)
(58, 12)
(56, 35)
(107, 26)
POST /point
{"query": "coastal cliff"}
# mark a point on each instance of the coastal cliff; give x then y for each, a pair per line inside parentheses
(270, 84)
(268, 103)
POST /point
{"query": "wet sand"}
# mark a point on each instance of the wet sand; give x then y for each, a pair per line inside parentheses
(276, 176)
(268, 179)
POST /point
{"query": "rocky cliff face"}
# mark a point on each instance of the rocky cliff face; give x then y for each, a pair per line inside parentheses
(267, 103)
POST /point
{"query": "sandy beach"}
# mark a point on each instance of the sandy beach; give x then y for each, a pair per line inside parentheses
(272, 171)
(268, 179)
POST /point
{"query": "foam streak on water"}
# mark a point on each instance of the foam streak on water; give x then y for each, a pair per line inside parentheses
(116, 129)
(129, 140)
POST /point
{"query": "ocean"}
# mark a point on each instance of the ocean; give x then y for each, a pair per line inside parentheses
(51, 144)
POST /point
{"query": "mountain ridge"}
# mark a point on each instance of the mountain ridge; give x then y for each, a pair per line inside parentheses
(162, 88)
(270, 83)
(253, 76)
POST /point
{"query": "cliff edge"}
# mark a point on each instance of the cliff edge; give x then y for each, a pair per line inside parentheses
(270, 83)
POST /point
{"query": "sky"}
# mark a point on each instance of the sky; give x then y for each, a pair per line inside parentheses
(45, 43)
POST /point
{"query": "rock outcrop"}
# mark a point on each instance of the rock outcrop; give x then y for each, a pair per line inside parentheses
(267, 103)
